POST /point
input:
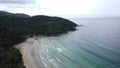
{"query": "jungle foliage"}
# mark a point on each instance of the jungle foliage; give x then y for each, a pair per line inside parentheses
(14, 30)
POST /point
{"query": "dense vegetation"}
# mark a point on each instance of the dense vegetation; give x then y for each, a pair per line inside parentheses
(4, 13)
(17, 29)
(10, 58)
(14, 30)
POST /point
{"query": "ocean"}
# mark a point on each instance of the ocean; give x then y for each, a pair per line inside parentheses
(96, 44)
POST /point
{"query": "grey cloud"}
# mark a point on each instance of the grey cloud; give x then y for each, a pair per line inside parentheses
(17, 1)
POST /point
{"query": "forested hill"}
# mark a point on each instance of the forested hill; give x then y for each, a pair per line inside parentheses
(4, 13)
(16, 29)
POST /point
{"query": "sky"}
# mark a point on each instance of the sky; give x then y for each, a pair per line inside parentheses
(63, 8)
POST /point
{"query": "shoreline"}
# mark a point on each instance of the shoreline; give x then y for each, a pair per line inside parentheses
(30, 56)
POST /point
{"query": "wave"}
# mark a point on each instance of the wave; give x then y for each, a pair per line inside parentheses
(92, 46)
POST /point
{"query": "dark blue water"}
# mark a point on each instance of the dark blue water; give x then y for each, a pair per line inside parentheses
(94, 45)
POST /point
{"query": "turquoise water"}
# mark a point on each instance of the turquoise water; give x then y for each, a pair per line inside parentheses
(94, 45)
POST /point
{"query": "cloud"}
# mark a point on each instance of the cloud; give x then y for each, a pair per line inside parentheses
(17, 1)
(29, 8)
(48, 7)
(63, 7)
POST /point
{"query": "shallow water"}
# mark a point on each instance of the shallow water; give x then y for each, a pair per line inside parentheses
(94, 45)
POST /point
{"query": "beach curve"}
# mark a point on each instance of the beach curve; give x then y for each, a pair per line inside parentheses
(30, 55)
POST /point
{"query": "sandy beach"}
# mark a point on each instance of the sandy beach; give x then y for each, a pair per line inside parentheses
(30, 55)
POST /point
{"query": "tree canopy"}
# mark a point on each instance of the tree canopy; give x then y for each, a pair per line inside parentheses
(15, 29)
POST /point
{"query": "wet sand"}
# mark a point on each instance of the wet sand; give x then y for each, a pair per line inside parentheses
(30, 55)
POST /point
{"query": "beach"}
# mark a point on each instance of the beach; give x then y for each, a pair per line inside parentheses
(30, 55)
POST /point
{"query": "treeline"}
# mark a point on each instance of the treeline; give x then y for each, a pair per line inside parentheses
(10, 58)
(14, 30)
(17, 29)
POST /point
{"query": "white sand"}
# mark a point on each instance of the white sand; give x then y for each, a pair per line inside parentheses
(30, 55)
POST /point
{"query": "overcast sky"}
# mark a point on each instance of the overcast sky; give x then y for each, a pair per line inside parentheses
(78, 8)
